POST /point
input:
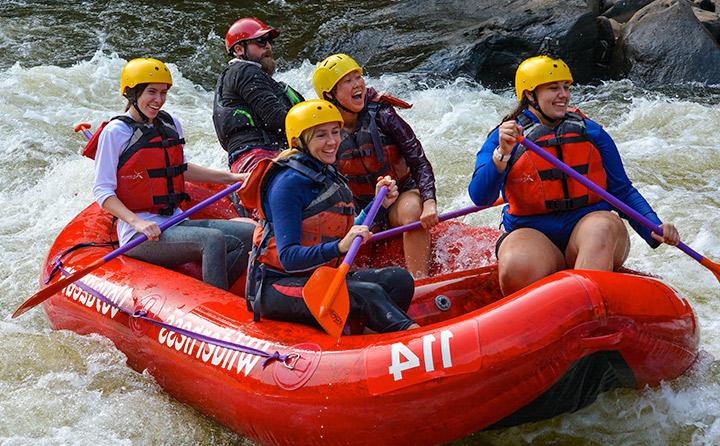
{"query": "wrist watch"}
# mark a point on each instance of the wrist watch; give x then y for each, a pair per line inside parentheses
(498, 155)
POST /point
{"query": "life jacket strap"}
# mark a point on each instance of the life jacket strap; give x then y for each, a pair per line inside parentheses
(557, 174)
(566, 204)
(168, 172)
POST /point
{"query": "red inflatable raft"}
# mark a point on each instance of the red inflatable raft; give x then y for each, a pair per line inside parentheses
(478, 360)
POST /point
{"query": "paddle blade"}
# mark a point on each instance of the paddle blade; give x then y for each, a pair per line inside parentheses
(44, 293)
(712, 266)
(330, 307)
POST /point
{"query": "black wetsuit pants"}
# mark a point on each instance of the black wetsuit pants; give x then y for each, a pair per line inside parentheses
(380, 297)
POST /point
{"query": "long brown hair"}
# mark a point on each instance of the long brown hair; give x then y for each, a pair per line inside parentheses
(522, 105)
(134, 93)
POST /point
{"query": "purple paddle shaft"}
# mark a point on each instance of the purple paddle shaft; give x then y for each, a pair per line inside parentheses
(622, 207)
(350, 256)
(392, 232)
(173, 220)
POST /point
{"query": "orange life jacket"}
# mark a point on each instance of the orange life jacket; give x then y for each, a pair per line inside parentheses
(369, 153)
(150, 169)
(534, 186)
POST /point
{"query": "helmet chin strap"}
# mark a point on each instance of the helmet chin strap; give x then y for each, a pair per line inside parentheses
(336, 103)
(132, 97)
(142, 115)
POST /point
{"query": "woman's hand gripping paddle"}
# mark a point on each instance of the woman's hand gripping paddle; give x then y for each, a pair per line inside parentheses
(326, 292)
(45, 293)
(622, 207)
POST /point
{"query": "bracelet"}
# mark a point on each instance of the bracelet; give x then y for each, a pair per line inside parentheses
(498, 155)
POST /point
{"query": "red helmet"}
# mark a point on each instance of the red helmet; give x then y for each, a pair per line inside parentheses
(245, 29)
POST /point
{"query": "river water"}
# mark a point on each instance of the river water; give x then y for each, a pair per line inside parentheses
(59, 65)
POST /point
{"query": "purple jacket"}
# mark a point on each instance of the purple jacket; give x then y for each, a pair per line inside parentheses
(392, 125)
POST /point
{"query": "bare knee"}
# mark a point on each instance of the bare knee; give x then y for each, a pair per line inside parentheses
(525, 257)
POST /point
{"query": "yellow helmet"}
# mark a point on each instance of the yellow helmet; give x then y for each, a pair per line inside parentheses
(539, 70)
(144, 71)
(308, 114)
(331, 70)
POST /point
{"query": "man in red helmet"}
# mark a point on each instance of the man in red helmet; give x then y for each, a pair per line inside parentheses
(250, 106)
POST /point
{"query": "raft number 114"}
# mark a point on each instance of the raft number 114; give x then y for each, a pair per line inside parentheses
(411, 360)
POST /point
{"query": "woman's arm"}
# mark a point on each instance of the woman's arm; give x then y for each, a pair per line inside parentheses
(288, 194)
(200, 174)
(486, 181)
(111, 143)
(618, 183)
(411, 149)
(116, 207)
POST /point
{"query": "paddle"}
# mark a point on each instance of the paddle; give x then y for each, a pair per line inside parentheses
(85, 128)
(326, 292)
(627, 210)
(45, 293)
(51, 289)
(392, 232)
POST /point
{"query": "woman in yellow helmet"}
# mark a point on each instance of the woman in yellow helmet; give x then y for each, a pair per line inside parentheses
(377, 142)
(140, 173)
(308, 220)
(551, 221)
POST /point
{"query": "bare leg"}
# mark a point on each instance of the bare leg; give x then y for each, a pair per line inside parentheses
(598, 242)
(407, 209)
(525, 256)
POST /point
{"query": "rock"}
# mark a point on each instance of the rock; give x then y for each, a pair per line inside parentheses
(606, 5)
(706, 5)
(655, 54)
(623, 10)
(483, 39)
(710, 20)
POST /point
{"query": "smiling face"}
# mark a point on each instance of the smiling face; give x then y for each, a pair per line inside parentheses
(350, 91)
(152, 99)
(322, 141)
(553, 98)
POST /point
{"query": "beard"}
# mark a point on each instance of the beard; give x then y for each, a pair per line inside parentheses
(267, 63)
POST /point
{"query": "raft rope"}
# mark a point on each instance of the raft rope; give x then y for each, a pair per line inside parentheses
(57, 263)
(288, 360)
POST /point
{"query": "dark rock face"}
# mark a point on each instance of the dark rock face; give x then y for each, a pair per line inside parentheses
(623, 10)
(483, 39)
(665, 43)
(649, 41)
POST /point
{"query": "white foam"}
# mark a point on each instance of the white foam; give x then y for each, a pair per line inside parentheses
(74, 387)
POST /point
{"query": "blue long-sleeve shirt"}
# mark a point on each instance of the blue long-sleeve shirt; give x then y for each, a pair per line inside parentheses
(288, 194)
(487, 183)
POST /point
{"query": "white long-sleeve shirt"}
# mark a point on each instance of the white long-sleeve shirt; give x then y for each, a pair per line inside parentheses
(113, 140)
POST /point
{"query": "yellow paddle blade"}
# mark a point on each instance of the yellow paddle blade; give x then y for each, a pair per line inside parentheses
(326, 295)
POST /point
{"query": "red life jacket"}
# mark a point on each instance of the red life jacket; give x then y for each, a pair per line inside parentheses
(329, 217)
(369, 153)
(534, 186)
(150, 169)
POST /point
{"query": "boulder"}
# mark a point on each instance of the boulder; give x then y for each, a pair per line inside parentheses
(623, 10)
(484, 39)
(656, 54)
(706, 5)
(710, 20)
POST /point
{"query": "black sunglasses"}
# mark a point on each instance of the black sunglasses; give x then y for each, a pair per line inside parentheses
(262, 41)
